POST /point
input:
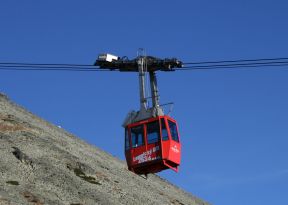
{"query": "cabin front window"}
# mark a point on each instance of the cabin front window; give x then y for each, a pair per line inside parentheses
(164, 130)
(137, 136)
(173, 131)
(153, 132)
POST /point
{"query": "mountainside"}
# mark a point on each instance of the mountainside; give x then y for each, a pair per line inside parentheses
(43, 164)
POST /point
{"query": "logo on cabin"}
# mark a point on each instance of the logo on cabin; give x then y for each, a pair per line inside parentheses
(149, 155)
(175, 149)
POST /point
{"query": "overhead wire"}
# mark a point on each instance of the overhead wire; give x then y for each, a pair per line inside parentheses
(237, 61)
(47, 64)
(51, 69)
(226, 67)
(48, 67)
(235, 65)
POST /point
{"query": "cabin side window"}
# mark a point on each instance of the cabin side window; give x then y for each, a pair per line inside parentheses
(173, 131)
(137, 136)
(164, 130)
(153, 132)
(127, 141)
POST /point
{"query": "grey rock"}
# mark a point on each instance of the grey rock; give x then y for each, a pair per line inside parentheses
(43, 164)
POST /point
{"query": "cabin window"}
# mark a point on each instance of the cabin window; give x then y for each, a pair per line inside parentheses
(173, 131)
(137, 136)
(127, 141)
(164, 130)
(153, 132)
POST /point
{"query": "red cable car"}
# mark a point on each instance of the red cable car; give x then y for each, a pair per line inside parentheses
(152, 145)
(152, 142)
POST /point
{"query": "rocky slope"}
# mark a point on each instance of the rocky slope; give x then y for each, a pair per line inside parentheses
(43, 164)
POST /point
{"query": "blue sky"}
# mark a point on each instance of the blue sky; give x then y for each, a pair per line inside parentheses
(233, 123)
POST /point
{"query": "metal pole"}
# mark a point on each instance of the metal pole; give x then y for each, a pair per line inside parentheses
(157, 110)
(154, 89)
(143, 100)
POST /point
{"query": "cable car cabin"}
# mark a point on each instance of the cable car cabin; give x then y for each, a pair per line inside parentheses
(152, 145)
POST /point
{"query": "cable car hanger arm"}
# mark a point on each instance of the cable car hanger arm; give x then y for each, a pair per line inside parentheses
(112, 62)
